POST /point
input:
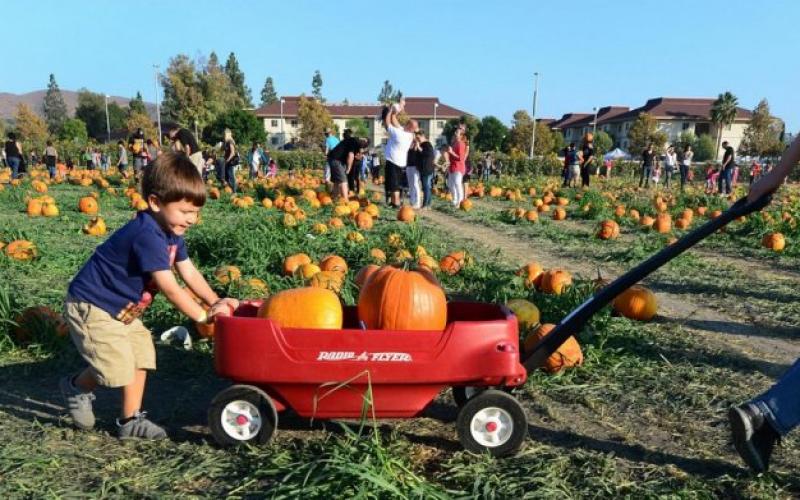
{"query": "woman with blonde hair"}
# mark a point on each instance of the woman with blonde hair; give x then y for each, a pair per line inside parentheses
(456, 154)
(231, 158)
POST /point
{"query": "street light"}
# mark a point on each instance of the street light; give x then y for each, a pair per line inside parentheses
(283, 139)
(533, 118)
(108, 123)
(594, 123)
(158, 106)
(435, 127)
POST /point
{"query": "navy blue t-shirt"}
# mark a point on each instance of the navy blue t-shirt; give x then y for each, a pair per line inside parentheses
(117, 277)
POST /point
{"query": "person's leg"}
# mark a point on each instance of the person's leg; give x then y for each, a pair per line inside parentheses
(426, 190)
(14, 164)
(458, 180)
(132, 394)
(230, 176)
(414, 187)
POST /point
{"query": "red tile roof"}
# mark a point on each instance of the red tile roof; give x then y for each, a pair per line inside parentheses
(416, 107)
(568, 119)
(677, 108)
(604, 114)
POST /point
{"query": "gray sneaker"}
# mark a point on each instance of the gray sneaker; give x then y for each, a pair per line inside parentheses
(79, 403)
(140, 427)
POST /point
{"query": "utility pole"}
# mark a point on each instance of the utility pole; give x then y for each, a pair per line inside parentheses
(108, 123)
(533, 117)
(158, 105)
(594, 123)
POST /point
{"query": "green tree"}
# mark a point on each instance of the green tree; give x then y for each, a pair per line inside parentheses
(388, 94)
(519, 137)
(316, 86)
(74, 130)
(359, 126)
(491, 134)
(558, 141)
(141, 120)
(472, 123)
(763, 134)
(313, 118)
(183, 95)
(92, 111)
(54, 108)
(31, 128)
(723, 112)
(268, 93)
(244, 126)
(136, 105)
(544, 140)
(219, 93)
(603, 143)
(687, 138)
(236, 76)
(704, 149)
(645, 131)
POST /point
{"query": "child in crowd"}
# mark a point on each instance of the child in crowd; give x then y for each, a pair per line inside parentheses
(111, 291)
(656, 174)
(710, 179)
(272, 170)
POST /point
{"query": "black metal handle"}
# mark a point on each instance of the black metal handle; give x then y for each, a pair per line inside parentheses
(576, 320)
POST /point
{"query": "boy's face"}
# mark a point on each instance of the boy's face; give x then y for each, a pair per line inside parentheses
(175, 216)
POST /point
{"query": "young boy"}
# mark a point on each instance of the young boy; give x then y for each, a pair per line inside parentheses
(758, 424)
(109, 294)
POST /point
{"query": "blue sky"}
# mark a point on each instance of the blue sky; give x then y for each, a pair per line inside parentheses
(477, 56)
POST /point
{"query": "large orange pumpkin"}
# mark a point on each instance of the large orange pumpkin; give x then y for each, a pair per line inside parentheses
(88, 205)
(637, 302)
(394, 299)
(566, 356)
(364, 273)
(555, 281)
(308, 307)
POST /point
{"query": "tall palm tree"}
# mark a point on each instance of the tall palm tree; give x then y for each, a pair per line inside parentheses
(723, 112)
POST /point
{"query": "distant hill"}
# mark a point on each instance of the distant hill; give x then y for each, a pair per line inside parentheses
(9, 102)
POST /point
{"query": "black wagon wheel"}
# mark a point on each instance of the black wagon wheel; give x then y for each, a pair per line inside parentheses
(242, 414)
(492, 421)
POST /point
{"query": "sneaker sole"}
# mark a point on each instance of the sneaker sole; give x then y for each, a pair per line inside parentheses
(743, 439)
(64, 395)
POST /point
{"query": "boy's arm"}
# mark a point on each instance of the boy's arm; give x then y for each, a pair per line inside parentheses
(198, 284)
(167, 283)
(772, 181)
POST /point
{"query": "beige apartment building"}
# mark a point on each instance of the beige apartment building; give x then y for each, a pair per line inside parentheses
(674, 115)
(281, 123)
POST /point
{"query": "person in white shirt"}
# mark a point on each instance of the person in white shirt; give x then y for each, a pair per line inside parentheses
(396, 150)
(670, 162)
(686, 164)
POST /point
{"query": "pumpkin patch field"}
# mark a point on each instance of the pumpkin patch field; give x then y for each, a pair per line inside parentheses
(633, 406)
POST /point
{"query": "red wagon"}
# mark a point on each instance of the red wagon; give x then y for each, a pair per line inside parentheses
(354, 371)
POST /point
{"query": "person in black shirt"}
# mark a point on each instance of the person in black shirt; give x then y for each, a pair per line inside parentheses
(424, 156)
(588, 158)
(726, 175)
(647, 166)
(343, 159)
(13, 154)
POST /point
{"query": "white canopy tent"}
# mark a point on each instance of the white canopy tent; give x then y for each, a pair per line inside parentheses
(616, 154)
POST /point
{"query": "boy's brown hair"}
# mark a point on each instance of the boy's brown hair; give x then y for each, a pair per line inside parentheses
(173, 177)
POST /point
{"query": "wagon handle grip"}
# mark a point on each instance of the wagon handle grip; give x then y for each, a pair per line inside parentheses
(576, 320)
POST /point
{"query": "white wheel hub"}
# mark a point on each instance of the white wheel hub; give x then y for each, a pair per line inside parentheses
(241, 420)
(491, 427)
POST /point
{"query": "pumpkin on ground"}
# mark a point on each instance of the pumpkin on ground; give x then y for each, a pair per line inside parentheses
(555, 281)
(333, 263)
(394, 299)
(609, 230)
(226, 274)
(363, 220)
(452, 263)
(532, 272)
(95, 227)
(293, 262)
(308, 307)
(406, 214)
(663, 223)
(526, 312)
(566, 356)
(307, 271)
(39, 322)
(21, 250)
(774, 241)
(88, 205)
(637, 302)
(377, 255)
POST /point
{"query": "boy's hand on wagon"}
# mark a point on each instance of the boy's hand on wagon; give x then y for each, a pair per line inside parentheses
(223, 307)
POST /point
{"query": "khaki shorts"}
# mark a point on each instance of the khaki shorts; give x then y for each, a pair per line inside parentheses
(113, 349)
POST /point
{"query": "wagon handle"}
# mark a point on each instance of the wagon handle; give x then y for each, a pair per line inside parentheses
(576, 320)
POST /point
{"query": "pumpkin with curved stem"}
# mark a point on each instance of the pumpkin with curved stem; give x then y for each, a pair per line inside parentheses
(394, 299)
(566, 356)
(88, 205)
(293, 262)
(226, 274)
(555, 281)
(333, 263)
(637, 302)
(95, 227)
(308, 307)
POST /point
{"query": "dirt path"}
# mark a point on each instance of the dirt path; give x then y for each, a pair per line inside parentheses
(722, 329)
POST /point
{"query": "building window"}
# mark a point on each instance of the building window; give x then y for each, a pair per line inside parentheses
(294, 123)
(686, 125)
(274, 141)
(274, 123)
(439, 124)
